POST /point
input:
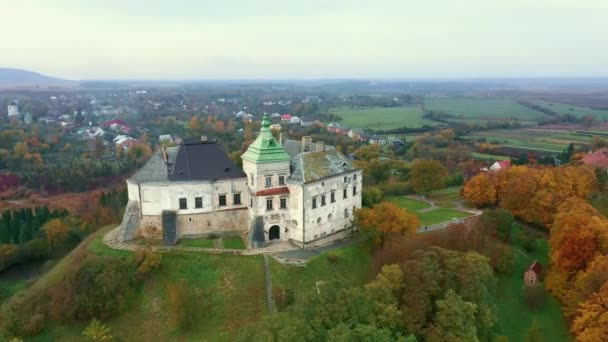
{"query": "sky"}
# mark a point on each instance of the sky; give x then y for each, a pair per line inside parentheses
(305, 39)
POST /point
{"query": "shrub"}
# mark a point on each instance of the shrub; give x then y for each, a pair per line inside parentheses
(146, 261)
(283, 297)
(34, 324)
(99, 288)
(333, 258)
(396, 188)
(97, 331)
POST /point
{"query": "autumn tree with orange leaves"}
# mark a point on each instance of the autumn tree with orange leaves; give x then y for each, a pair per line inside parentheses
(386, 219)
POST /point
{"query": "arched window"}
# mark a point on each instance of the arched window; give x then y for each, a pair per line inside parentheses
(329, 217)
(319, 220)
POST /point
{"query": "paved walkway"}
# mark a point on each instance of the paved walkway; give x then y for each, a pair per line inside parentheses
(269, 297)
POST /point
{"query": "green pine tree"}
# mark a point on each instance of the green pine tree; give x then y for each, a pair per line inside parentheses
(5, 233)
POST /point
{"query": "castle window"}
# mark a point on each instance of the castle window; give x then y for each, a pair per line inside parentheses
(198, 202)
(345, 179)
(252, 180)
(329, 217)
(322, 200)
(344, 193)
(283, 202)
(269, 203)
(268, 182)
(236, 198)
(333, 196)
(183, 203)
(251, 202)
(281, 180)
(354, 190)
(319, 220)
(222, 200)
(345, 212)
(314, 202)
(355, 177)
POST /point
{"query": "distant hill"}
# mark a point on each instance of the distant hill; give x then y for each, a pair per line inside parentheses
(10, 78)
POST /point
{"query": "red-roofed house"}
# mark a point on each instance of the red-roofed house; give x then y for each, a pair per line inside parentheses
(598, 159)
(286, 117)
(499, 165)
(533, 274)
(117, 125)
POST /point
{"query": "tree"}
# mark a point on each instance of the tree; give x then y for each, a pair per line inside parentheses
(385, 219)
(480, 190)
(454, 320)
(5, 233)
(427, 175)
(499, 222)
(591, 324)
(371, 196)
(195, 125)
(97, 331)
(534, 333)
(56, 231)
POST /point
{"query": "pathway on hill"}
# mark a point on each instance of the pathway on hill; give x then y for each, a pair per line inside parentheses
(269, 298)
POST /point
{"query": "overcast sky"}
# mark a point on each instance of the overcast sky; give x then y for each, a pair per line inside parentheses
(279, 39)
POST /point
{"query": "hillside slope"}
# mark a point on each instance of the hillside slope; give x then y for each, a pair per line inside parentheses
(18, 77)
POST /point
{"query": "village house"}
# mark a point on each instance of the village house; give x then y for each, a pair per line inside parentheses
(500, 165)
(292, 191)
(597, 159)
(533, 274)
(377, 140)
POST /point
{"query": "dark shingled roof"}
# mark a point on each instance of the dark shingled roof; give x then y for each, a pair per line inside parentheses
(206, 161)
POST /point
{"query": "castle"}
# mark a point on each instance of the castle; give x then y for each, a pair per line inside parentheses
(301, 192)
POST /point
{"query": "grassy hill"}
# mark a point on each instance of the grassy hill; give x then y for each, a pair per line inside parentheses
(230, 292)
(380, 118)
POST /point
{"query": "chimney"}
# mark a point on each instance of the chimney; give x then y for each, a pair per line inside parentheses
(306, 142)
(282, 138)
(163, 151)
(320, 146)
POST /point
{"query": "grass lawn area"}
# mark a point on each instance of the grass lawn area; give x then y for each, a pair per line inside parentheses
(445, 204)
(450, 194)
(206, 243)
(482, 109)
(349, 265)
(234, 242)
(440, 215)
(514, 315)
(407, 203)
(381, 118)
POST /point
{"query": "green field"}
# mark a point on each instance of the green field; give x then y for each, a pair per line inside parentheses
(234, 242)
(482, 109)
(442, 213)
(514, 315)
(380, 118)
(486, 156)
(206, 243)
(408, 203)
(533, 139)
(564, 108)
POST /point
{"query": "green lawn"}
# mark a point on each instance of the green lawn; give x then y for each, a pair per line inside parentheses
(234, 243)
(533, 139)
(440, 215)
(380, 118)
(514, 315)
(481, 109)
(349, 265)
(206, 243)
(407, 203)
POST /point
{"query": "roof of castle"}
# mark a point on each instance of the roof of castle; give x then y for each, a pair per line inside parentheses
(265, 148)
(203, 160)
(311, 166)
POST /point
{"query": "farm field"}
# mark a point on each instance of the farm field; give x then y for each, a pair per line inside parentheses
(380, 118)
(483, 109)
(487, 156)
(532, 139)
(565, 108)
